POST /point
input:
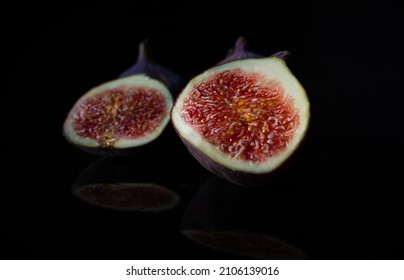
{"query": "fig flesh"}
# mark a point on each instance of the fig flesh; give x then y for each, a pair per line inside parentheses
(243, 119)
(131, 111)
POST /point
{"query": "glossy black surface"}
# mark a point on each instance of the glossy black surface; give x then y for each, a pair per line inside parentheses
(339, 199)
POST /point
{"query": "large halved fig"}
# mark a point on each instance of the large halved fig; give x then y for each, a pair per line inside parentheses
(243, 118)
(133, 110)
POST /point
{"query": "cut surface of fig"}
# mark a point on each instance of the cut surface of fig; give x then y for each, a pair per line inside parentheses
(118, 116)
(247, 115)
(126, 112)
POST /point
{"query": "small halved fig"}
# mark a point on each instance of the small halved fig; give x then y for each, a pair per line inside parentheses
(131, 111)
(243, 118)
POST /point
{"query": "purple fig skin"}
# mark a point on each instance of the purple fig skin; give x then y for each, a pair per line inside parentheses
(240, 52)
(144, 65)
(284, 55)
(236, 177)
(239, 177)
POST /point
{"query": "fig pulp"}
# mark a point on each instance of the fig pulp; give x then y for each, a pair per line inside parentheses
(243, 118)
(122, 114)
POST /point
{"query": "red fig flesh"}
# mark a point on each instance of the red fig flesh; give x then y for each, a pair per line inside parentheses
(244, 118)
(130, 111)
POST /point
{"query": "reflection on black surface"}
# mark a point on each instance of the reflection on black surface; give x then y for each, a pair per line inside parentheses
(129, 196)
(117, 184)
(254, 245)
(247, 222)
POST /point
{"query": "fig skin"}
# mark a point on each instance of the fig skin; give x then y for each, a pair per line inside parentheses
(143, 66)
(237, 177)
(234, 176)
(240, 51)
(240, 178)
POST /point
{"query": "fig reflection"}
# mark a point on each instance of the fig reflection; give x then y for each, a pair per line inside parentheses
(129, 196)
(117, 184)
(247, 222)
(254, 245)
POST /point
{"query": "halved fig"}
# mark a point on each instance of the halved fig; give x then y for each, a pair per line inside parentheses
(244, 118)
(125, 113)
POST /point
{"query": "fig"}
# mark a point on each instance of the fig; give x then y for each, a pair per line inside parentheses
(117, 116)
(116, 184)
(242, 119)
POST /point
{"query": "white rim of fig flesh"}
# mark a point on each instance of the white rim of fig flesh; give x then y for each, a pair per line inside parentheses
(139, 80)
(273, 69)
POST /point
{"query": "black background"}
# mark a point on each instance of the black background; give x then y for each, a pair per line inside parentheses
(339, 199)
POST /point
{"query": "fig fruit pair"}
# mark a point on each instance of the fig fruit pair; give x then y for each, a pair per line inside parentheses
(241, 119)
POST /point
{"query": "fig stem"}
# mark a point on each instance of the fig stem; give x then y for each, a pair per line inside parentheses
(240, 45)
(144, 52)
(239, 51)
